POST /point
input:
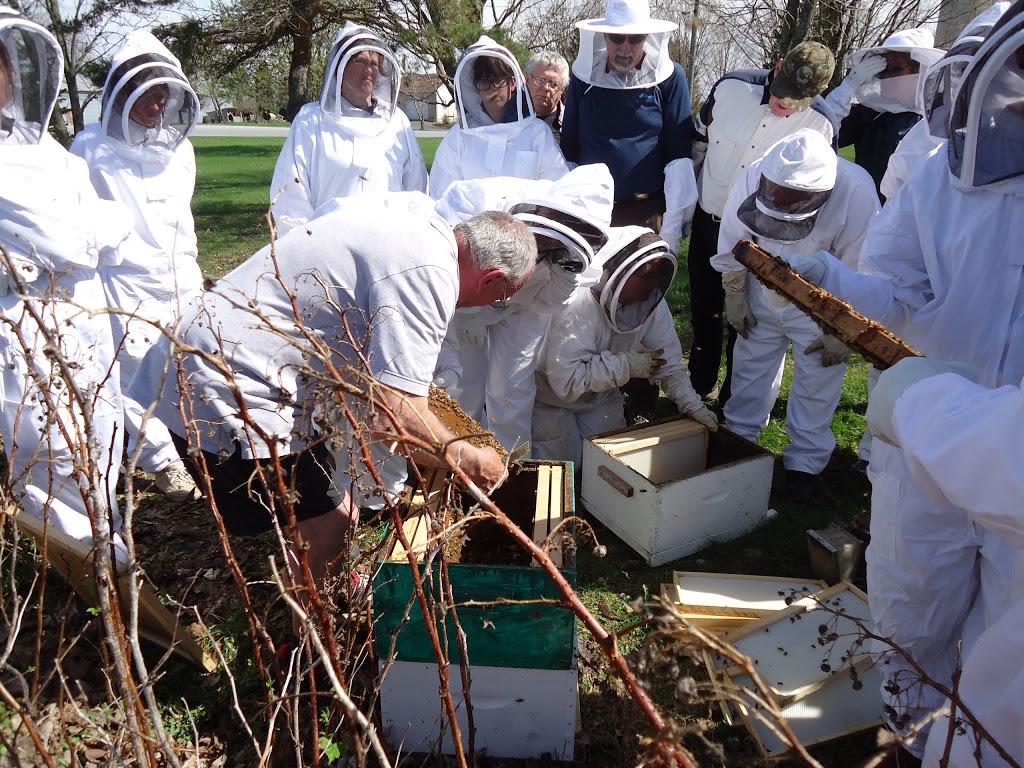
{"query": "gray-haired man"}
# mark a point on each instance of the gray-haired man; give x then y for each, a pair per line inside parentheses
(361, 296)
(547, 74)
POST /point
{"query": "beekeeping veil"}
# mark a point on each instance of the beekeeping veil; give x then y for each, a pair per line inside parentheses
(142, 66)
(472, 114)
(986, 124)
(352, 40)
(639, 270)
(32, 67)
(798, 174)
(897, 94)
(624, 17)
(941, 81)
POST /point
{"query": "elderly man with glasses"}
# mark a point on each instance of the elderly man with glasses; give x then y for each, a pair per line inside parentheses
(547, 74)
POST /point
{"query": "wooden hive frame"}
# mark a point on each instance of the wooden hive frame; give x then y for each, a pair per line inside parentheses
(879, 346)
(728, 614)
(73, 560)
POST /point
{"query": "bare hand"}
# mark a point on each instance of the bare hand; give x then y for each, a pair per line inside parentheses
(483, 465)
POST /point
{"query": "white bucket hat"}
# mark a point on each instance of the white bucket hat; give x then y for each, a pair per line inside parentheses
(919, 43)
(628, 17)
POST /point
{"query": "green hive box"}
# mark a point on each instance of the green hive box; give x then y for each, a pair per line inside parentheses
(492, 576)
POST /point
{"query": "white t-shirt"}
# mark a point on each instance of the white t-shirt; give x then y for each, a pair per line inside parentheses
(378, 293)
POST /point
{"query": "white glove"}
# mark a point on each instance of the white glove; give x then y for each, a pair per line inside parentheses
(833, 351)
(680, 201)
(813, 266)
(644, 363)
(703, 415)
(897, 380)
(865, 70)
(448, 379)
(471, 331)
(737, 308)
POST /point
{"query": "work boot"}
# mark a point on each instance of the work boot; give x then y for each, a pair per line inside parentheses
(174, 482)
(801, 486)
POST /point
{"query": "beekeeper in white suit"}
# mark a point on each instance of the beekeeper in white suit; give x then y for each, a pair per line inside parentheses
(942, 269)
(511, 142)
(355, 139)
(55, 232)
(615, 330)
(934, 94)
(491, 354)
(799, 198)
(963, 443)
(139, 155)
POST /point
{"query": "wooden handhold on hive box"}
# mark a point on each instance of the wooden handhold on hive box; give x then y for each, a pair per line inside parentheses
(73, 560)
(824, 681)
(521, 641)
(670, 488)
(723, 602)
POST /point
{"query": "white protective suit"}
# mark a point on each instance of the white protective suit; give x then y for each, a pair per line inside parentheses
(758, 360)
(497, 349)
(964, 444)
(152, 172)
(56, 232)
(336, 149)
(935, 91)
(942, 269)
(585, 358)
(478, 148)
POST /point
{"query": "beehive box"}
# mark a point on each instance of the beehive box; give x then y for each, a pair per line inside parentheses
(826, 689)
(521, 645)
(518, 713)
(722, 602)
(505, 603)
(670, 488)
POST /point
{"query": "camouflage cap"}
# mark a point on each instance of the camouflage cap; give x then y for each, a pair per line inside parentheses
(805, 73)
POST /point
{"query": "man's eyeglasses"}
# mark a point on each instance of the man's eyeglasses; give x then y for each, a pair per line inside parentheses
(487, 83)
(633, 39)
(540, 82)
(502, 303)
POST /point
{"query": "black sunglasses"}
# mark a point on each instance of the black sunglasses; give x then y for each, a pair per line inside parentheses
(620, 39)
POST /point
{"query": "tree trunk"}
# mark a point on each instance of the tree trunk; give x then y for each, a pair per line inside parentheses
(953, 17)
(301, 31)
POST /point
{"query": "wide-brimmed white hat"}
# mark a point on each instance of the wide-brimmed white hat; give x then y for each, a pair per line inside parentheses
(628, 17)
(918, 43)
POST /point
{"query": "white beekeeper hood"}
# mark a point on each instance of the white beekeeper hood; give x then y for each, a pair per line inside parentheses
(624, 17)
(936, 89)
(986, 125)
(633, 252)
(472, 114)
(798, 174)
(574, 214)
(351, 40)
(897, 94)
(33, 66)
(142, 63)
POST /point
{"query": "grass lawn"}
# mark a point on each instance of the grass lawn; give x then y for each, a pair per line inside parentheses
(230, 208)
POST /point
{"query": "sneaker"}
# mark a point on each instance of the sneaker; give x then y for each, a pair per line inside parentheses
(174, 482)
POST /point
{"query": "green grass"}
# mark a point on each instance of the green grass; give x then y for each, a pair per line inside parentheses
(233, 195)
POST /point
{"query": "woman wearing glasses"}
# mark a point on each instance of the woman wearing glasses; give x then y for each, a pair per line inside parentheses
(498, 133)
(354, 139)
